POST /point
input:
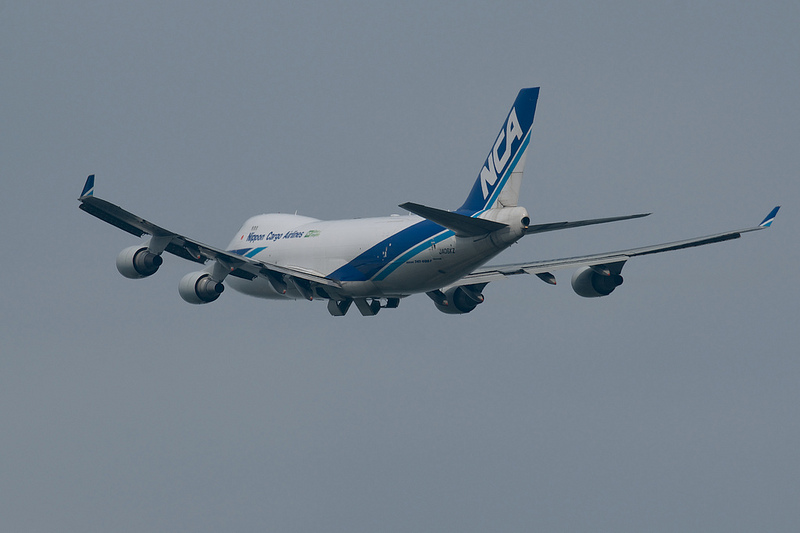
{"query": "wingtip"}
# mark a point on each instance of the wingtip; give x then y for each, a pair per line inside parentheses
(88, 187)
(767, 222)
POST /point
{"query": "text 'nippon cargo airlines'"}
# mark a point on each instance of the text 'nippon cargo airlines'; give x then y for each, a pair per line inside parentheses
(375, 262)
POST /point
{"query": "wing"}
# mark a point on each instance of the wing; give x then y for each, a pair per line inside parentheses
(227, 263)
(604, 263)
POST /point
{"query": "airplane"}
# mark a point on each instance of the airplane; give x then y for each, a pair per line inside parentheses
(375, 262)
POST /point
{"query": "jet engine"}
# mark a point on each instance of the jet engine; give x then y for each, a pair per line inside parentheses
(458, 300)
(199, 288)
(589, 283)
(137, 262)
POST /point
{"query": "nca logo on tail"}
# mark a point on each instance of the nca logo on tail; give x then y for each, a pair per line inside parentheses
(495, 163)
(504, 156)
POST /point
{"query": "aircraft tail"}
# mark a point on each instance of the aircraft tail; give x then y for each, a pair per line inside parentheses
(500, 177)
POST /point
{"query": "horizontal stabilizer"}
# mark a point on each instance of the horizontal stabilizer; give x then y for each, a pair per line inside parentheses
(462, 225)
(553, 226)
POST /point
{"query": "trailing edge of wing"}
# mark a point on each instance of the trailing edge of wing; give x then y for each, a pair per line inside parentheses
(553, 226)
(185, 247)
(462, 225)
(492, 273)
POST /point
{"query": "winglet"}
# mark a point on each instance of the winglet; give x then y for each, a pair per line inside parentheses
(88, 188)
(767, 222)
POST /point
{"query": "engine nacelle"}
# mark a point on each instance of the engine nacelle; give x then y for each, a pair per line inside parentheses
(137, 262)
(589, 284)
(459, 300)
(199, 288)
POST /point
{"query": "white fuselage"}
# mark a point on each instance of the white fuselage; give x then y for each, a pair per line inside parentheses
(385, 257)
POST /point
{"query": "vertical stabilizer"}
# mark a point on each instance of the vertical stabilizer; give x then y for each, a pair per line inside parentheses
(501, 175)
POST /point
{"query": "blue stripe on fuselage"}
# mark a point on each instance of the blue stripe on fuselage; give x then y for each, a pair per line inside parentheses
(255, 251)
(248, 252)
(394, 265)
(369, 263)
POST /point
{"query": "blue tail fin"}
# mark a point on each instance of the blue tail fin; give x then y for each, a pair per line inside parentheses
(499, 179)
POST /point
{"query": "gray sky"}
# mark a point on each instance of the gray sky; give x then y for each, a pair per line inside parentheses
(671, 405)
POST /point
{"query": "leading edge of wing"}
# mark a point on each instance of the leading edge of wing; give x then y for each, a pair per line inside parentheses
(495, 272)
(185, 247)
